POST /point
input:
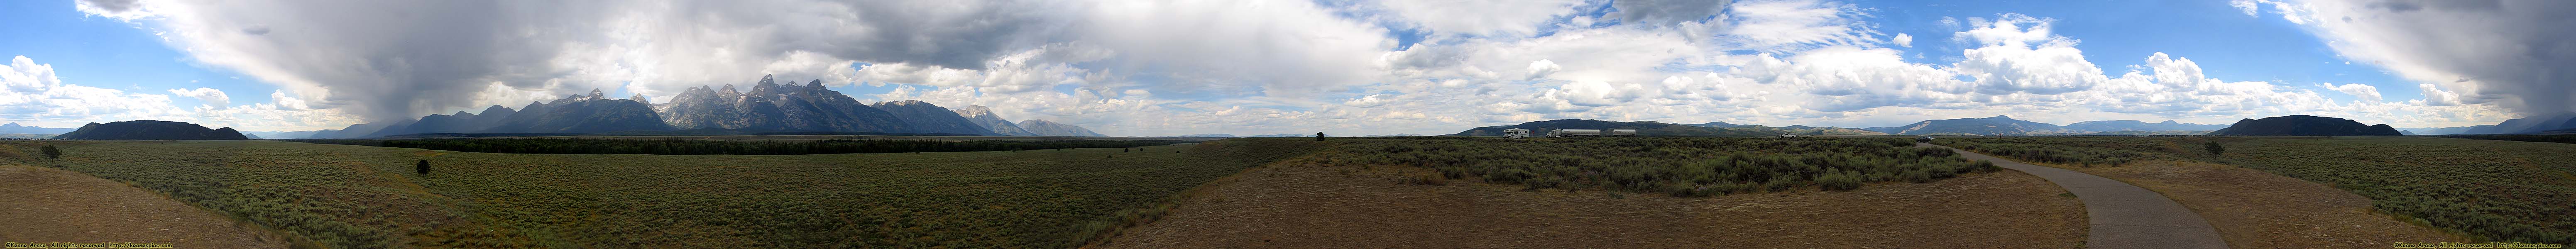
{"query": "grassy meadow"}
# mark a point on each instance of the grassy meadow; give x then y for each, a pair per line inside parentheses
(1668, 165)
(2487, 189)
(347, 196)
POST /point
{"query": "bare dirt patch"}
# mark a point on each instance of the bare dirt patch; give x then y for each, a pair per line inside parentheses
(2253, 209)
(46, 205)
(1312, 206)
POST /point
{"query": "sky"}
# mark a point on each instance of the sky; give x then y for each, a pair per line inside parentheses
(1157, 67)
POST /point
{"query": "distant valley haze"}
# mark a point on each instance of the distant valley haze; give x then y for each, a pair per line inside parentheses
(295, 69)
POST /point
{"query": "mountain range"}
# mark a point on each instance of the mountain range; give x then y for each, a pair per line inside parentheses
(984, 116)
(924, 117)
(1997, 125)
(768, 107)
(1988, 126)
(149, 130)
(14, 128)
(774, 107)
(1800, 129)
(2134, 125)
(1045, 128)
(1644, 128)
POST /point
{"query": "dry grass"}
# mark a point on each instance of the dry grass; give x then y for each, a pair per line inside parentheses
(50, 205)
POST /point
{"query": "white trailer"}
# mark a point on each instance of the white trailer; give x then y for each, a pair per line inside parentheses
(1574, 132)
(1623, 132)
(1516, 133)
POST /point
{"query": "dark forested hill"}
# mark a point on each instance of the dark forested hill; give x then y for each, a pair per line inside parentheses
(2304, 125)
(149, 130)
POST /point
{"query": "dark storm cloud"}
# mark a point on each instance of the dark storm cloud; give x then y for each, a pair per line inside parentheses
(2517, 54)
(1666, 12)
(400, 59)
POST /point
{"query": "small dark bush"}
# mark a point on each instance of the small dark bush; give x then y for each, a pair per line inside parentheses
(52, 153)
(422, 168)
(2214, 148)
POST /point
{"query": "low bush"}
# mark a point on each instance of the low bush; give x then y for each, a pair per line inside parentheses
(51, 152)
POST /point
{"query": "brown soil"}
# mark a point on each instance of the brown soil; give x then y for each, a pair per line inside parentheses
(46, 205)
(2253, 209)
(1308, 206)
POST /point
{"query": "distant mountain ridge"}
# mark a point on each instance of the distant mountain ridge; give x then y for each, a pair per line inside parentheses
(1644, 128)
(2304, 125)
(582, 114)
(1998, 125)
(2134, 125)
(2530, 125)
(1046, 128)
(769, 108)
(1800, 129)
(929, 118)
(150, 130)
(983, 116)
(14, 128)
(2447, 130)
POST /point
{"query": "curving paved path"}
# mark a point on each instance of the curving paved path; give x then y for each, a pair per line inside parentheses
(2122, 215)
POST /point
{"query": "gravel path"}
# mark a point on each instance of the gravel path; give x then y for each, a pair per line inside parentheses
(2122, 215)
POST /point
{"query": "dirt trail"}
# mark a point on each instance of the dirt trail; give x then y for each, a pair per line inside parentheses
(1307, 206)
(2122, 215)
(45, 205)
(2255, 210)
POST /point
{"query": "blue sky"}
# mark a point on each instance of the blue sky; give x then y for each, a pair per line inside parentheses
(2229, 44)
(1290, 66)
(107, 53)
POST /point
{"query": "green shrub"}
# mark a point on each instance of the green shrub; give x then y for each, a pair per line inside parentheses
(51, 152)
(1840, 181)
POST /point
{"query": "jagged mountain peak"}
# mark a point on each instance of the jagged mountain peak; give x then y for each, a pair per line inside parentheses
(774, 107)
(984, 116)
(902, 102)
(975, 110)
